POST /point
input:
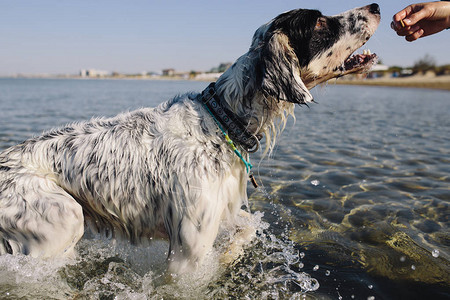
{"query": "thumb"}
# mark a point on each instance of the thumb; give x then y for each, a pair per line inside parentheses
(416, 17)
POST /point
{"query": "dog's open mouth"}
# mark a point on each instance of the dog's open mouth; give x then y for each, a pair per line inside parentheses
(360, 63)
(354, 64)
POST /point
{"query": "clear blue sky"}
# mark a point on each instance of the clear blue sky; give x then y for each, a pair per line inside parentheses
(132, 36)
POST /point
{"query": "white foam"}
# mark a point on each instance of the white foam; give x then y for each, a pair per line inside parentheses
(108, 267)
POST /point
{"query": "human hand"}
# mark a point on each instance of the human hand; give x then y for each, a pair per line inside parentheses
(422, 19)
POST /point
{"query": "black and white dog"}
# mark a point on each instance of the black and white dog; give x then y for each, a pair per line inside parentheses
(179, 170)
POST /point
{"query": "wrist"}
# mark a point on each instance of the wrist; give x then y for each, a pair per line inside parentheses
(447, 19)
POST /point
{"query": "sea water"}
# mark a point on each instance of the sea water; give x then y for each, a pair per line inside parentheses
(352, 204)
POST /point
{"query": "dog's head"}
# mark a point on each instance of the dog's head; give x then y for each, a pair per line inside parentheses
(302, 48)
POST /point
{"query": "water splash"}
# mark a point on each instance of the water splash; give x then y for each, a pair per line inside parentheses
(435, 253)
(315, 182)
(27, 277)
(269, 268)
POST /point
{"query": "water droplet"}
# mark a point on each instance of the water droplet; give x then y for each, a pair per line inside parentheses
(435, 253)
(302, 254)
(316, 267)
(402, 259)
(370, 286)
(371, 298)
(315, 182)
(413, 267)
(352, 296)
(327, 273)
(300, 265)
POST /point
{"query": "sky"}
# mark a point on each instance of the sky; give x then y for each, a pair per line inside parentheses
(62, 37)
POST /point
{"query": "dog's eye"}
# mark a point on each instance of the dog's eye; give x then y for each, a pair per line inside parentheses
(321, 24)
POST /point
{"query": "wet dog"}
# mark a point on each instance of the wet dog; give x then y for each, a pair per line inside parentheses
(179, 170)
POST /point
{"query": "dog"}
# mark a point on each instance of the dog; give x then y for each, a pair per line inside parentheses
(179, 170)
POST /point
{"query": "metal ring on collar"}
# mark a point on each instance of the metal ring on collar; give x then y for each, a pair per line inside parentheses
(256, 146)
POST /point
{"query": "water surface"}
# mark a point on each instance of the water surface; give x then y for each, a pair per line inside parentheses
(353, 203)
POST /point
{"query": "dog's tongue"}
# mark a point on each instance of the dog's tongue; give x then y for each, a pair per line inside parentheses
(360, 60)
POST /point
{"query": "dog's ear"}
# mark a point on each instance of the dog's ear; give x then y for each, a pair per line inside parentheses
(280, 73)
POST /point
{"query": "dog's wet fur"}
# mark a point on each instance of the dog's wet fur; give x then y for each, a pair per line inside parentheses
(167, 171)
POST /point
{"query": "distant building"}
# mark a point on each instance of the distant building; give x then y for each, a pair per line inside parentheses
(153, 74)
(207, 76)
(168, 72)
(378, 71)
(92, 73)
(379, 67)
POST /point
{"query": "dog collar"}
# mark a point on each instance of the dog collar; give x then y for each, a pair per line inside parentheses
(228, 120)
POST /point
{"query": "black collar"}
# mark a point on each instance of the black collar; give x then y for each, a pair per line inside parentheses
(228, 120)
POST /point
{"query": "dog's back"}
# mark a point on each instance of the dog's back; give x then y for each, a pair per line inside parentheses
(127, 175)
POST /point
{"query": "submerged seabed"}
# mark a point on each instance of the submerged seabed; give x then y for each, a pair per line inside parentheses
(353, 204)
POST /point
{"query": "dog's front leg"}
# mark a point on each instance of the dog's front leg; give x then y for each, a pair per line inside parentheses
(245, 233)
(191, 238)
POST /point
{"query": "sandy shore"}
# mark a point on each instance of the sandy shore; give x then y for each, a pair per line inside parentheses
(430, 82)
(418, 81)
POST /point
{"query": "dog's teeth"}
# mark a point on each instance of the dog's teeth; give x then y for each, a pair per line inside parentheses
(366, 52)
(369, 52)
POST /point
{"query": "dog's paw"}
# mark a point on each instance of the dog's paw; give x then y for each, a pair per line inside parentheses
(243, 236)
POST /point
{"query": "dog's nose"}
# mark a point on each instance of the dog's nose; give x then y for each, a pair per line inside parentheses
(374, 9)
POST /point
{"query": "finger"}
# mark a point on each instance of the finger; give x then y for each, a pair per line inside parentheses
(397, 26)
(416, 17)
(416, 35)
(402, 14)
(394, 26)
(408, 30)
(398, 18)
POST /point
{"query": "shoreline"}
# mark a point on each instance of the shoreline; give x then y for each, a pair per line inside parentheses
(427, 82)
(418, 81)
